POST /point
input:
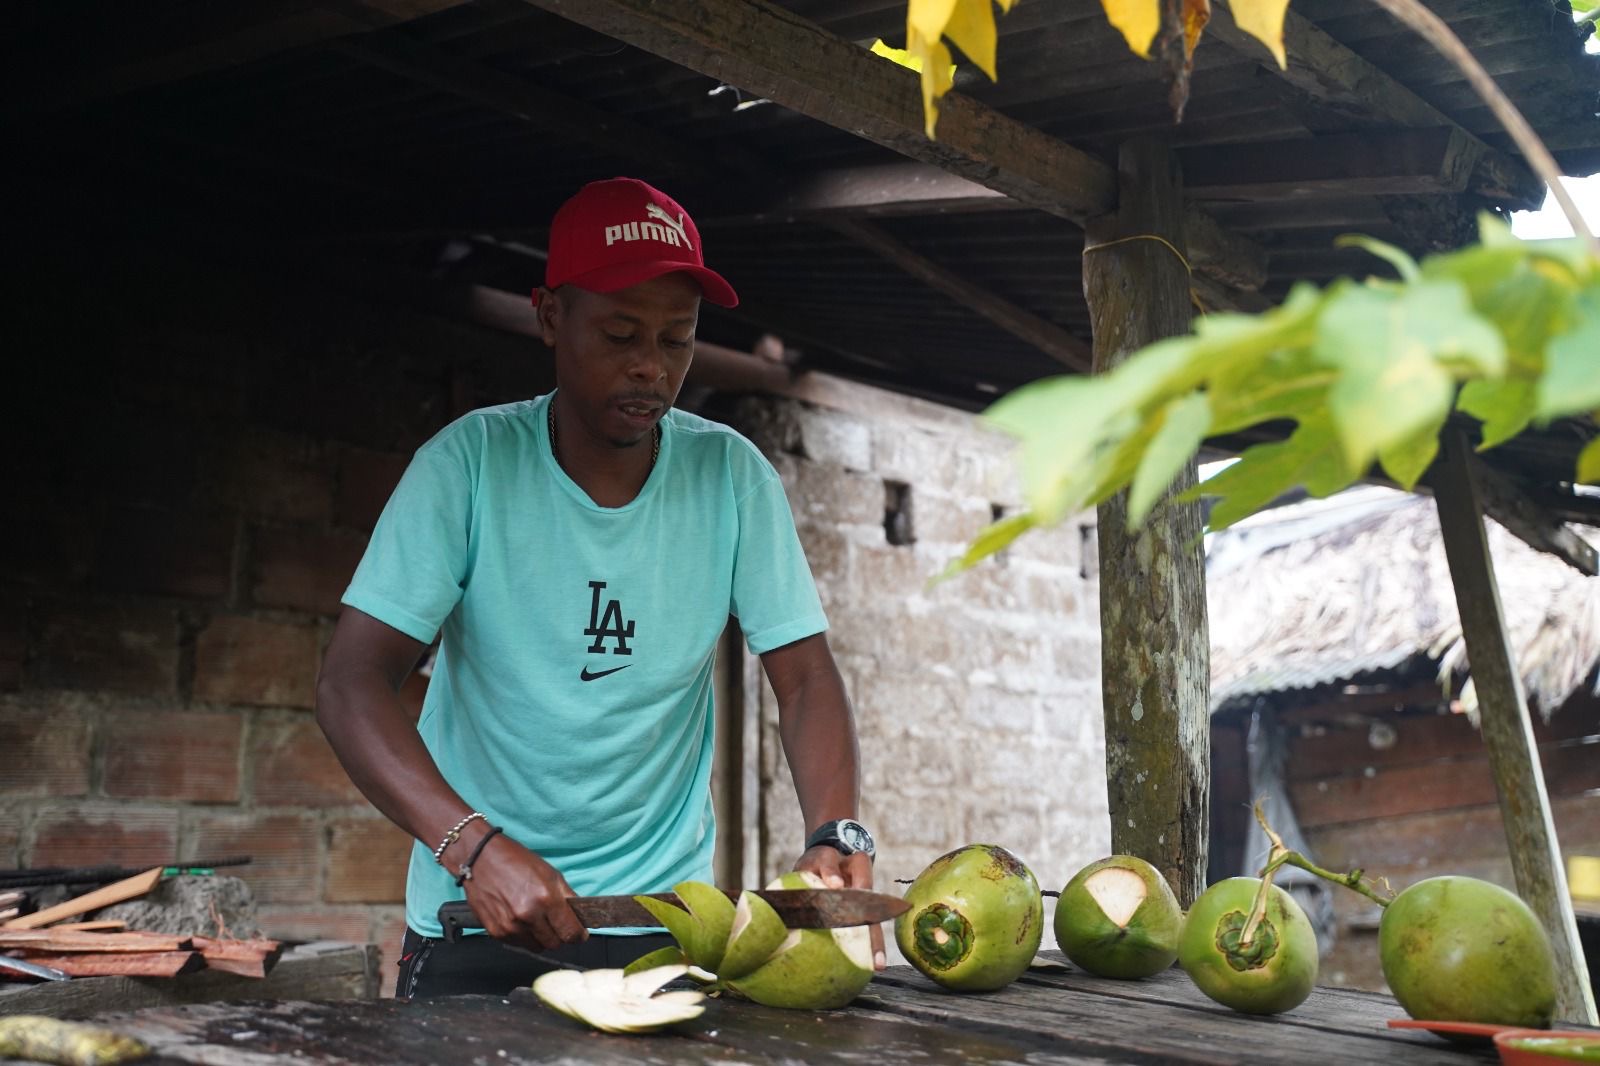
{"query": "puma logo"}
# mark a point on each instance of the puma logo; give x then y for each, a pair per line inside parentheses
(665, 228)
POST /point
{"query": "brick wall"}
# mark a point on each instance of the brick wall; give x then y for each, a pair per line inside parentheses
(200, 462)
(977, 700)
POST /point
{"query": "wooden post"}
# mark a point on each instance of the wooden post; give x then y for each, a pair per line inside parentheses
(1155, 647)
(1507, 732)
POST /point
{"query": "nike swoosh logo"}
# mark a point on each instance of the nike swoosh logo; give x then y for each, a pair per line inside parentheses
(587, 676)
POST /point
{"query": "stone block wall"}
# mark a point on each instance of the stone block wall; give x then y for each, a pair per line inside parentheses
(977, 699)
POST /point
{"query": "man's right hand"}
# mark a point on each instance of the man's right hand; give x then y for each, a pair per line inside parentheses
(519, 897)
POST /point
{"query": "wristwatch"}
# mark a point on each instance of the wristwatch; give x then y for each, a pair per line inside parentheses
(846, 834)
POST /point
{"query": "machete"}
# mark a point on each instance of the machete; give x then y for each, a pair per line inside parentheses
(800, 908)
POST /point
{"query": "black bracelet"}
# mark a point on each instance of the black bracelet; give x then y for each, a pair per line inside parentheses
(466, 868)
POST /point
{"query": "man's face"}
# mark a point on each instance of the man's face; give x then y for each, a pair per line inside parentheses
(621, 356)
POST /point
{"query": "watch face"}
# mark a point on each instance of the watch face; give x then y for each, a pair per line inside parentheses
(855, 835)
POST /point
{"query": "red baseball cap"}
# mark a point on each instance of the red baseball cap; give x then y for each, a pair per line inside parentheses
(616, 233)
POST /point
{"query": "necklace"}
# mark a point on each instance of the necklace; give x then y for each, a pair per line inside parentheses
(555, 450)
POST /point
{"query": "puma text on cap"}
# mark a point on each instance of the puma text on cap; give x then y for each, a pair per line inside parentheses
(616, 233)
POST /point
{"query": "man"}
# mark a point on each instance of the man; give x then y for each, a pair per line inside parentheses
(579, 555)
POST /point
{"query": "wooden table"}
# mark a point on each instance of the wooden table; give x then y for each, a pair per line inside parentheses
(1047, 1017)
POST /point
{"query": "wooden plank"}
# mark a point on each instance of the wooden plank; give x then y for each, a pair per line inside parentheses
(1021, 323)
(199, 39)
(1154, 640)
(52, 941)
(1433, 786)
(1375, 163)
(615, 135)
(247, 958)
(84, 927)
(1524, 804)
(1166, 1019)
(1351, 91)
(1417, 738)
(323, 970)
(129, 888)
(1445, 838)
(765, 49)
(124, 964)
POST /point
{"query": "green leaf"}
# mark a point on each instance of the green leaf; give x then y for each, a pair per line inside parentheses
(1173, 445)
(991, 539)
(1398, 258)
(1571, 381)
(1406, 461)
(1391, 347)
(1266, 471)
(1589, 463)
(1504, 405)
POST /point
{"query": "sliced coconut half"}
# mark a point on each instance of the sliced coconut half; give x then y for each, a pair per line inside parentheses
(1119, 891)
(811, 969)
(713, 914)
(756, 934)
(615, 1002)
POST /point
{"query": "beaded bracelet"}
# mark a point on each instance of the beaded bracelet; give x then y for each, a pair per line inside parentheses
(455, 835)
(466, 868)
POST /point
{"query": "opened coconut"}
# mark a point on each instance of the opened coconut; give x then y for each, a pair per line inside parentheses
(1460, 949)
(975, 921)
(808, 969)
(1118, 918)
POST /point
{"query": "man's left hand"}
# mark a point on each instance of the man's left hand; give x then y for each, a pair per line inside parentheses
(838, 870)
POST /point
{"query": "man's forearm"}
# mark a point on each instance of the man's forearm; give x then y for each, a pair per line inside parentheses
(376, 742)
(818, 732)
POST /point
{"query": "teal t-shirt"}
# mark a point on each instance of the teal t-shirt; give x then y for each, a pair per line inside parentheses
(571, 696)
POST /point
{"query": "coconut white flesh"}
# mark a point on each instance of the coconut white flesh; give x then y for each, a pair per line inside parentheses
(856, 943)
(1118, 891)
(608, 1000)
(1041, 963)
(555, 989)
(705, 977)
(756, 934)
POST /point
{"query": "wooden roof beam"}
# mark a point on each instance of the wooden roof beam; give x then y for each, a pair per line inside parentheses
(1349, 91)
(204, 38)
(766, 49)
(1018, 321)
(1523, 518)
(1386, 163)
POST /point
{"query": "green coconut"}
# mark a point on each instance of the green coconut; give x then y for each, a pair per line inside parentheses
(1272, 972)
(810, 969)
(975, 921)
(702, 929)
(1464, 950)
(1118, 918)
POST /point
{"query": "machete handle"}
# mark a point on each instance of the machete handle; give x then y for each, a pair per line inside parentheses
(457, 917)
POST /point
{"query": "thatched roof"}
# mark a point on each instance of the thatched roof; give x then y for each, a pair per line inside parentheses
(1357, 585)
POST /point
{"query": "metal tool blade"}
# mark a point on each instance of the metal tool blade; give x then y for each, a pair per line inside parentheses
(800, 908)
(32, 969)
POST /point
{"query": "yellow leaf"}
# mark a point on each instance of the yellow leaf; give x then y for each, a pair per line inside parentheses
(927, 19)
(938, 73)
(1263, 20)
(1137, 19)
(1196, 13)
(971, 28)
(898, 56)
(969, 24)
